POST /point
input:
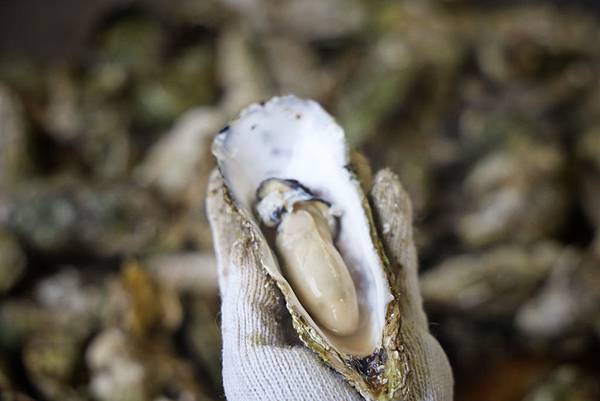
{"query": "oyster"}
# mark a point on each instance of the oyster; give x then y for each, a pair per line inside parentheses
(288, 174)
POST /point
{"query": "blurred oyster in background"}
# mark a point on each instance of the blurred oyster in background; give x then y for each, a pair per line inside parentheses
(53, 332)
(177, 167)
(72, 299)
(194, 276)
(241, 70)
(491, 284)
(518, 194)
(194, 273)
(186, 81)
(62, 116)
(134, 357)
(179, 163)
(532, 42)
(149, 307)
(296, 69)
(52, 358)
(566, 382)
(115, 375)
(105, 146)
(566, 305)
(68, 215)
(326, 20)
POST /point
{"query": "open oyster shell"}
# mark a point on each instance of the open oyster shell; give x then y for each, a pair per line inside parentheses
(292, 139)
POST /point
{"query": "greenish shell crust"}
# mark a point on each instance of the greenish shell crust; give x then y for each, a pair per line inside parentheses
(381, 376)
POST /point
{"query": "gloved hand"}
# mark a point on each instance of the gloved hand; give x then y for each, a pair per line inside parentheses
(258, 361)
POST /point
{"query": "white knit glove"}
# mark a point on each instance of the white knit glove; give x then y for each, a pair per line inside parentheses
(259, 362)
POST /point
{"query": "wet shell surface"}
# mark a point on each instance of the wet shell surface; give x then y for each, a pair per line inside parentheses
(287, 169)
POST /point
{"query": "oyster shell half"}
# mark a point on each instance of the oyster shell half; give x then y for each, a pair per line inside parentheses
(272, 150)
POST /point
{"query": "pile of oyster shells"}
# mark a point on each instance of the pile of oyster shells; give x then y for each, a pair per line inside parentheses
(490, 114)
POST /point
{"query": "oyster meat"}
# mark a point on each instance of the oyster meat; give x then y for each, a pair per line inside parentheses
(288, 172)
(309, 260)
